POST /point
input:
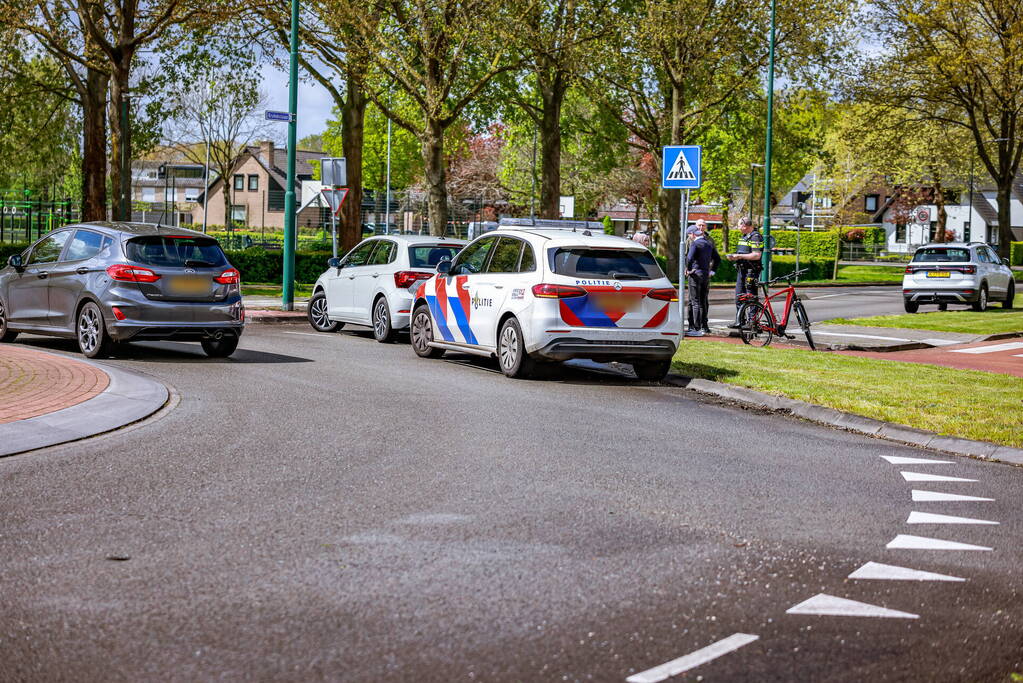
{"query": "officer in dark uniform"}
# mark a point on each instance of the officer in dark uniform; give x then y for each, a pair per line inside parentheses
(747, 262)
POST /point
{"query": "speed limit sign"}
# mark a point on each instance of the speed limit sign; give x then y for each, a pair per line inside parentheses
(923, 215)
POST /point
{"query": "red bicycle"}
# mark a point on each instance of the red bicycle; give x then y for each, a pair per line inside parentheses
(757, 322)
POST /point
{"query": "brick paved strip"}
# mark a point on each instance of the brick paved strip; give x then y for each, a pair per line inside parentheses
(34, 383)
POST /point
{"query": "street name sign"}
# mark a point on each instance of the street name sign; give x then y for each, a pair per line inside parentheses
(282, 116)
(681, 167)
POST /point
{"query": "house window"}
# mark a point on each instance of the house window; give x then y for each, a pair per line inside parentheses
(239, 213)
(191, 194)
(870, 203)
(900, 233)
(168, 194)
(824, 201)
(239, 183)
(253, 183)
(149, 194)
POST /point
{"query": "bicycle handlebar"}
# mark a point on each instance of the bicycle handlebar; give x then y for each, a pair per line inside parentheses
(787, 277)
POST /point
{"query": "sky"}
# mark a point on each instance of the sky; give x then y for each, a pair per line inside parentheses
(314, 102)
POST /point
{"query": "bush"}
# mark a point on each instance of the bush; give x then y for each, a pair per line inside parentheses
(820, 244)
(819, 268)
(260, 265)
(1016, 253)
(7, 250)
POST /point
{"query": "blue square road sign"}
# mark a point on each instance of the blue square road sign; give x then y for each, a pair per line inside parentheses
(681, 167)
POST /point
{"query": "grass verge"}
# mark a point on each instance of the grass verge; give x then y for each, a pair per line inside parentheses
(994, 320)
(264, 289)
(964, 403)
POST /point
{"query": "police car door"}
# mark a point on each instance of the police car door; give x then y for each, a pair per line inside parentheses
(456, 291)
(491, 289)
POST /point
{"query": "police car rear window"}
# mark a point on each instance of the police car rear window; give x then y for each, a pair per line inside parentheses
(430, 255)
(619, 264)
(941, 255)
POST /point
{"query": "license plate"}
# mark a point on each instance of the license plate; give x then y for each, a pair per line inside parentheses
(617, 302)
(186, 284)
(938, 273)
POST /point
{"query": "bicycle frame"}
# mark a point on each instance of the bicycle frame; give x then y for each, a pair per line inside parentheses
(790, 298)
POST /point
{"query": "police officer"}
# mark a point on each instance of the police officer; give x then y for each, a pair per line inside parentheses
(747, 262)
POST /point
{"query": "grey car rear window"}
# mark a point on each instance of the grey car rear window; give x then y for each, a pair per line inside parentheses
(173, 251)
(622, 264)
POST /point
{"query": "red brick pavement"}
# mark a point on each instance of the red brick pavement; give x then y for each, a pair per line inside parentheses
(34, 383)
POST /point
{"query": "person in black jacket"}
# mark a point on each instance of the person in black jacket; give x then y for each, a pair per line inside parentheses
(702, 259)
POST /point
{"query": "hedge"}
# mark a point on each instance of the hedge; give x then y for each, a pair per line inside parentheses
(6, 250)
(819, 244)
(1016, 253)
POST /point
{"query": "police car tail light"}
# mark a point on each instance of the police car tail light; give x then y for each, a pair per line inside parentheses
(122, 272)
(405, 278)
(666, 294)
(546, 291)
(229, 277)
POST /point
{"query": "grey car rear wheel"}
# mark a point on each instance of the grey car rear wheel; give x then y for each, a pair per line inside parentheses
(93, 339)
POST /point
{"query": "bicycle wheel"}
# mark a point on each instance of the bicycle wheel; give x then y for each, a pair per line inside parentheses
(755, 326)
(804, 323)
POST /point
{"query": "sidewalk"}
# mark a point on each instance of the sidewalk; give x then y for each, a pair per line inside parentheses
(48, 399)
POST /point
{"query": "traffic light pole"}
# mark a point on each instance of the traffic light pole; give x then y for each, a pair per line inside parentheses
(288, 289)
(766, 257)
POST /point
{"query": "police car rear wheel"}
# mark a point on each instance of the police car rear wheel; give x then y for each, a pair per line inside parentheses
(422, 333)
(511, 351)
(652, 370)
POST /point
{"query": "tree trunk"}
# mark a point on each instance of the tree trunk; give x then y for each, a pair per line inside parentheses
(120, 143)
(433, 162)
(635, 217)
(94, 144)
(353, 115)
(550, 147)
(939, 202)
(724, 223)
(1004, 215)
(227, 180)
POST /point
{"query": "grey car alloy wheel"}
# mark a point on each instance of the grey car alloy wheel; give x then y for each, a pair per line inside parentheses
(89, 329)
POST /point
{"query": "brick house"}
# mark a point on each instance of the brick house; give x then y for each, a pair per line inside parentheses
(258, 182)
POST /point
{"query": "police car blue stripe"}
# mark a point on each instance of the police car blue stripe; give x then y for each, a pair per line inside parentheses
(588, 314)
(462, 320)
(438, 318)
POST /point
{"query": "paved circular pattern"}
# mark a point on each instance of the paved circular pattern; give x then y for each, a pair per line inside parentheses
(34, 383)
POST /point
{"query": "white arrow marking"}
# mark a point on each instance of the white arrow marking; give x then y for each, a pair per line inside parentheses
(693, 659)
(920, 476)
(908, 542)
(889, 572)
(931, 518)
(829, 605)
(936, 496)
(990, 349)
(899, 460)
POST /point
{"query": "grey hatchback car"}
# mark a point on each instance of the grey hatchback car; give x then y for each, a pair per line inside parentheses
(105, 283)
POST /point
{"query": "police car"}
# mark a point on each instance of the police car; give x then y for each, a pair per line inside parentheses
(530, 294)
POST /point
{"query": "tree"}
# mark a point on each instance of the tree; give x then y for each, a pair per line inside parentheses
(956, 63)
(214, 104)
(405, 161)
(441, 55)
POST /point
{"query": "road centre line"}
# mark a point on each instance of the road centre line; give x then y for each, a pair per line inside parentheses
(921, 476)
(823, 604)
(931, 518)
(937, 496)
(907, 542)
(693, 659)
(307, 334)
(990, 349)
(891, 572)
(900, 460)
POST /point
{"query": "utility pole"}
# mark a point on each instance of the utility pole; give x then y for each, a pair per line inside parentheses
(766, 271)
(387, 208)
(288, 286)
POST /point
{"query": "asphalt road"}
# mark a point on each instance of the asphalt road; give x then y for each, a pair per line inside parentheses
(323, 507)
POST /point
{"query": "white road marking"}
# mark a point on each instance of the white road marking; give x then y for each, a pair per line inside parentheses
(990, 349)
(307, 334)
(937, 496)
(829, 605)
(931, 518)
(890, 572)
(907, 542)
(940, 342)
(921, 476)
(899, 460)
(1017, 355)
(693, 659)
(828, 296)
(858, 336)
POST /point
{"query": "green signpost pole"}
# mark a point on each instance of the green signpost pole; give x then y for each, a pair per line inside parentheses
(288, 289)
(766, 271)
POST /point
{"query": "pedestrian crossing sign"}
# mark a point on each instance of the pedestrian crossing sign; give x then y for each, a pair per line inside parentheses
(681, 169)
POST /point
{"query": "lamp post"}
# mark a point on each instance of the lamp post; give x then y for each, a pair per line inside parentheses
(766, 271)
(288, 286)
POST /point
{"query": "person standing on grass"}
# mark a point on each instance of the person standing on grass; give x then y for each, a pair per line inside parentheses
(747, 263)
(702, 259)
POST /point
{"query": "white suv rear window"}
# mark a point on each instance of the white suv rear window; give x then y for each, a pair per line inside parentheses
(941, 255)
(616, 264)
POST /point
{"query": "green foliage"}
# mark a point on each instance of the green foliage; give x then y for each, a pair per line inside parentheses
(406, 160)
(260, 265)
(8, 250)
(819, 268)
(820, 244)
(609, 226)
(866, 235)
(1016, 254)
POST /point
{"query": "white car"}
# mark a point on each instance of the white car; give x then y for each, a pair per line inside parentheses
(957, 273)
(528, 295)
(373, 283)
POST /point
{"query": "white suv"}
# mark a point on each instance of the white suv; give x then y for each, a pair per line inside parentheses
(959, 274)
(374, 282)
(533, 294)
